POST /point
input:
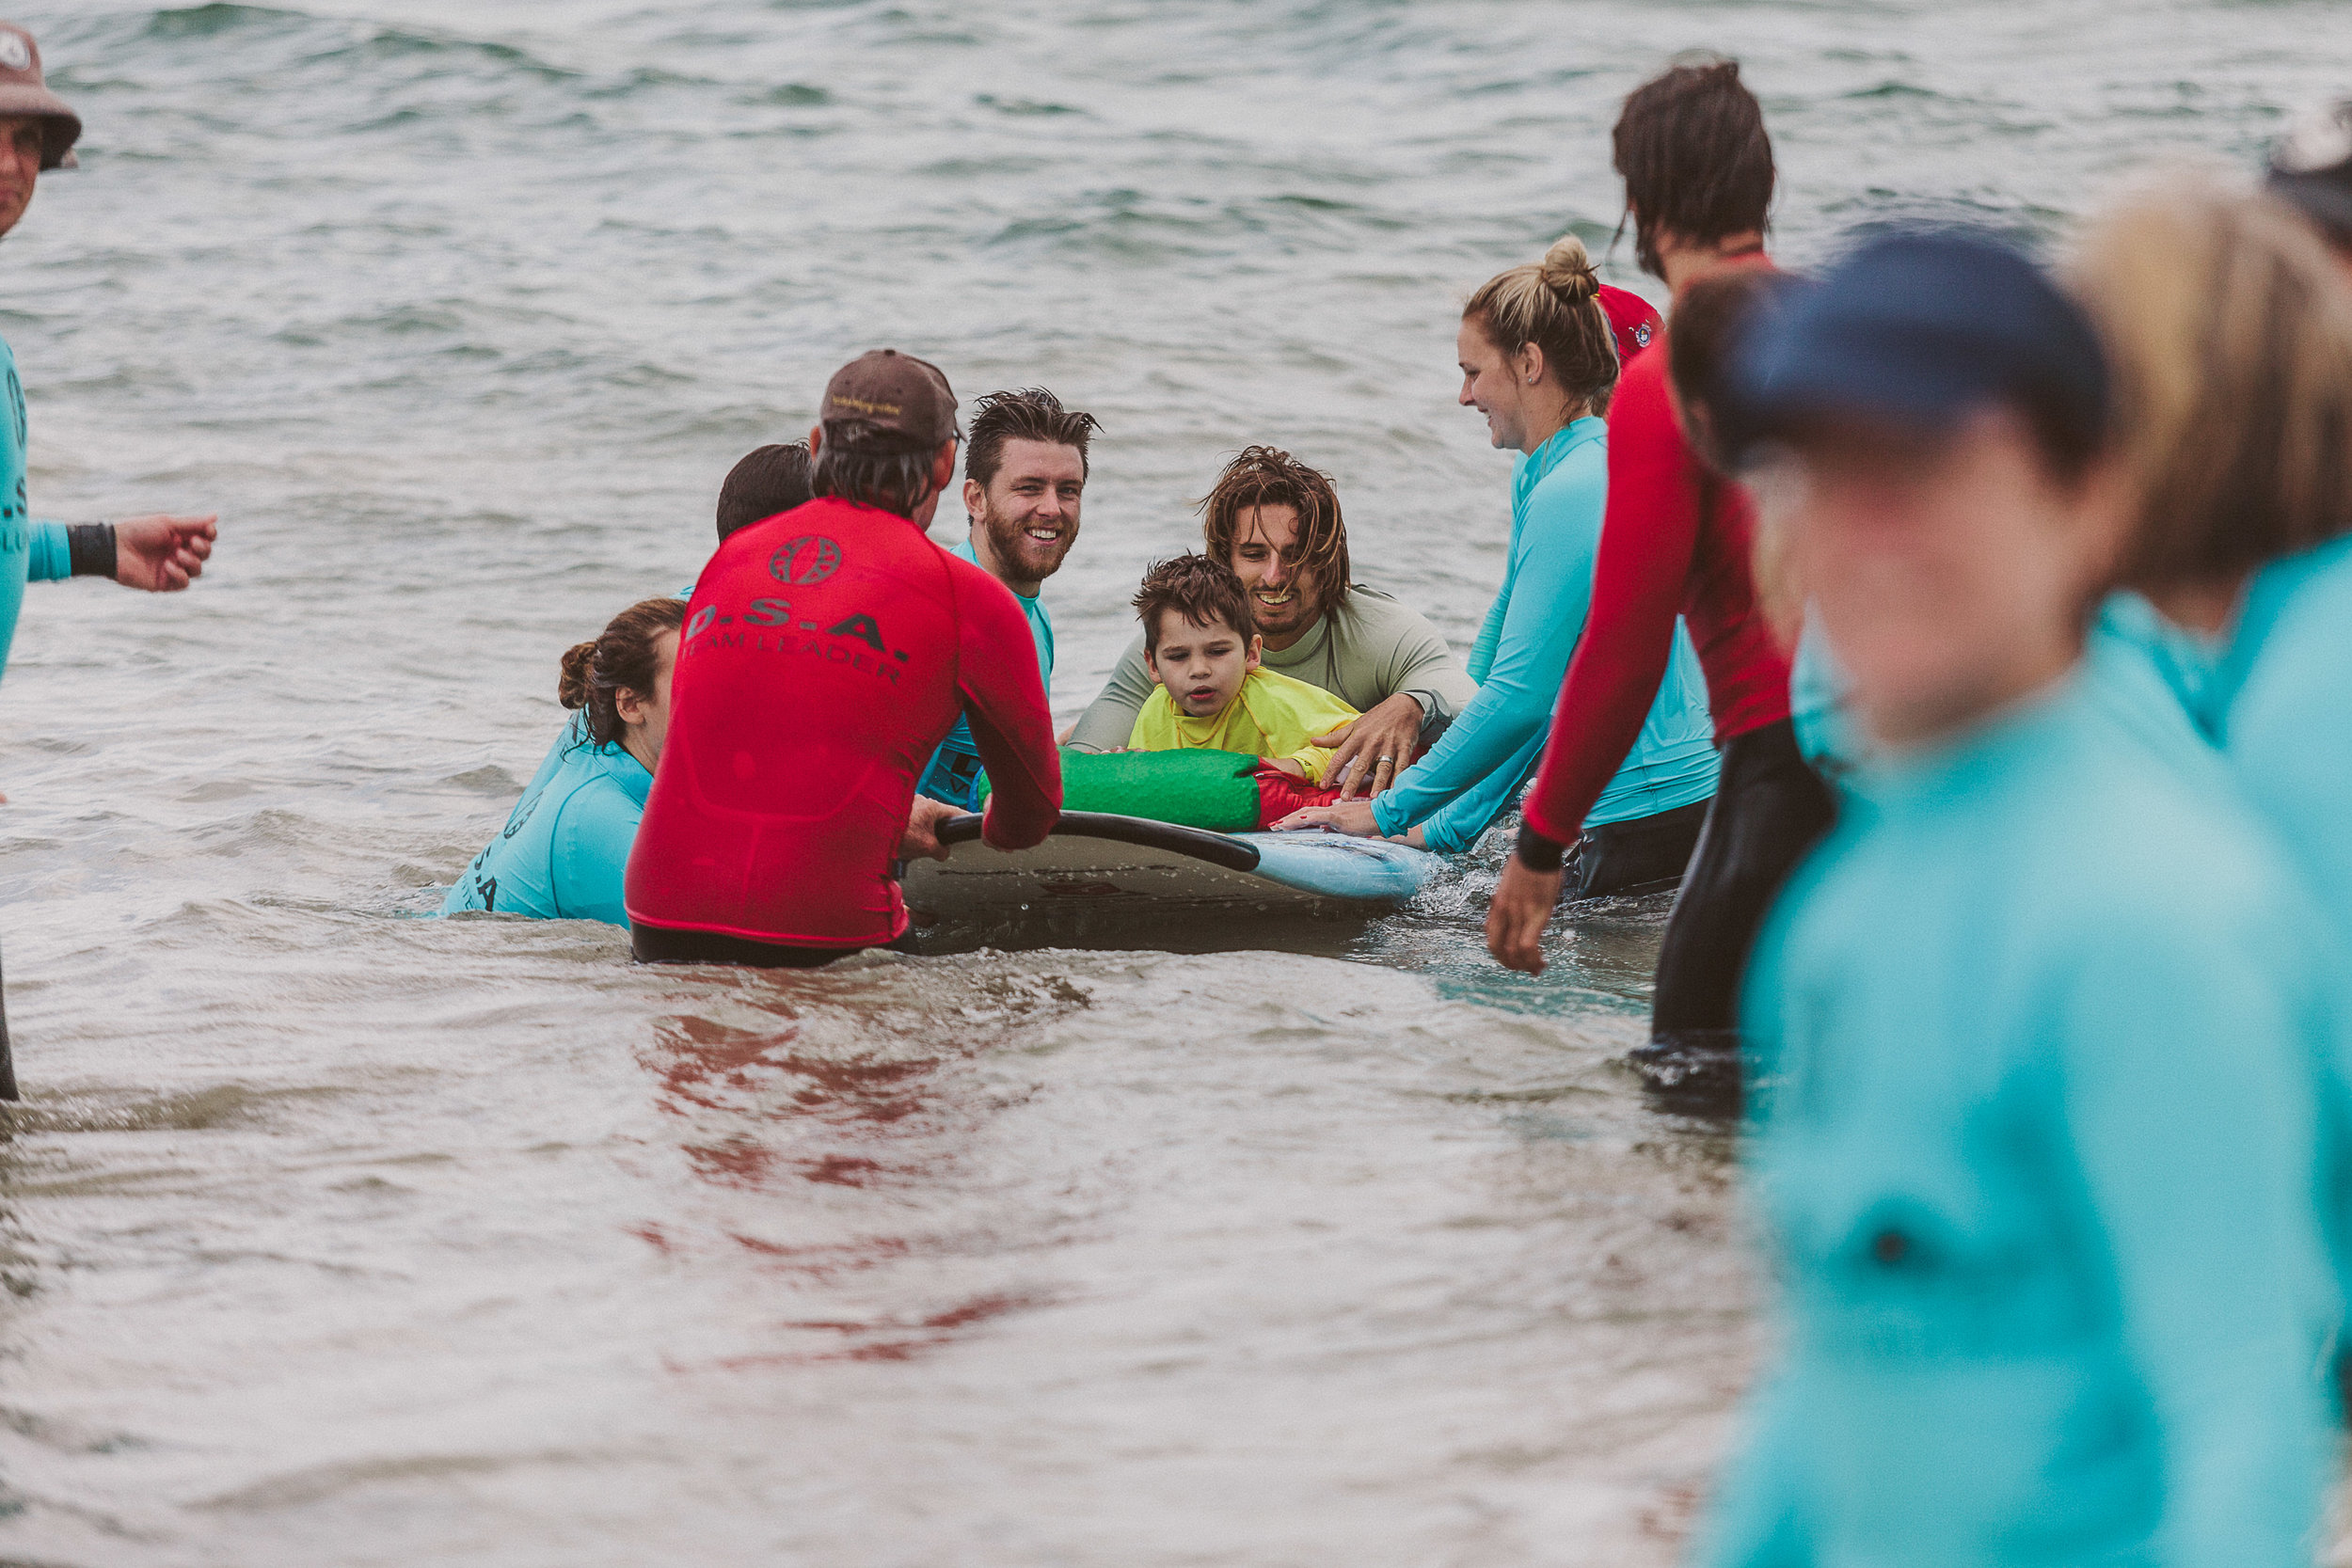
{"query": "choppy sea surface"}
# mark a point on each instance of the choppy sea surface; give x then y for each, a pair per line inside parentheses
(332, 1235)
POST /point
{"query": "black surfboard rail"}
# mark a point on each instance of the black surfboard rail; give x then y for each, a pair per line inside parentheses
(1223, 849)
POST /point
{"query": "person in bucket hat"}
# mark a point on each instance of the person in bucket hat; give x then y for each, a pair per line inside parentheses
(160, 553)
(24, 95)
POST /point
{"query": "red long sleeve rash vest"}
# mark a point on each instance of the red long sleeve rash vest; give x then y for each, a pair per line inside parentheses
(826, 652)
(1675, 539)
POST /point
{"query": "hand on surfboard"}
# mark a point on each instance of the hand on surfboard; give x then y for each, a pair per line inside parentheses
(1380, 744)
(922, 837)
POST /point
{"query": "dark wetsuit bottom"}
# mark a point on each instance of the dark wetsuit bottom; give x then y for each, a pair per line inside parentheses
(1769, 809)
(1643, 854)
(667, 944)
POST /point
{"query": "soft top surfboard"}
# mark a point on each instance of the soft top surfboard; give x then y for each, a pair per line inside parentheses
(1104, 878)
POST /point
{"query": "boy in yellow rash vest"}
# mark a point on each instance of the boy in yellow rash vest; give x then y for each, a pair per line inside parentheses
(1201, 643)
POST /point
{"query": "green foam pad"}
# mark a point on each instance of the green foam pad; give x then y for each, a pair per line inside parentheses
(1217, 790)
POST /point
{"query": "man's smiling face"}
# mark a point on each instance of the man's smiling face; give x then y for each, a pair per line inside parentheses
(1030, 509)
(1284, 597)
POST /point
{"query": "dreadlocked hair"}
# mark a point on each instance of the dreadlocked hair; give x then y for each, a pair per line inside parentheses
(1697, 164)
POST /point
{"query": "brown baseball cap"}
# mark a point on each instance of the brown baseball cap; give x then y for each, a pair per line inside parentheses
(24, 92)
(887, 402)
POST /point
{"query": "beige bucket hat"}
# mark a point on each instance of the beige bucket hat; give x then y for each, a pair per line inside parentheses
(24, 92)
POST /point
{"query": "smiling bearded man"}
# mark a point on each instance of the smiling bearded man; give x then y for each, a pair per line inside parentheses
(1277, 523)
(1024, 475)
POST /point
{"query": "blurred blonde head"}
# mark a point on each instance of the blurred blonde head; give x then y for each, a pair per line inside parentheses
(2229, 329)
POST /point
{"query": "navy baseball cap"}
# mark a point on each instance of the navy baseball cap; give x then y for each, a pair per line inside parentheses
(1920, 329)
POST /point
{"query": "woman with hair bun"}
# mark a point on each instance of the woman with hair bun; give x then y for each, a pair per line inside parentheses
(1539, 360)
(564, 849)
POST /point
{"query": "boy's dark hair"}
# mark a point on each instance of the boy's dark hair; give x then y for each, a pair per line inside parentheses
(1696, 162)
(1268, 476)
(1197, 587)
(1030, 414)
(771, 480)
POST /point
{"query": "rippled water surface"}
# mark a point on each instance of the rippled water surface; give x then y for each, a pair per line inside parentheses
(332, 1235)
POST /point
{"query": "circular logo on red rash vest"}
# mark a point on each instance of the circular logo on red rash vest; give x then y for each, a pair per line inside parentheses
(1640, 336)
(811, 557)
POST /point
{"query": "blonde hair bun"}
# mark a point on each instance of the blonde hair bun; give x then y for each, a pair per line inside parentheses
(1568, 271)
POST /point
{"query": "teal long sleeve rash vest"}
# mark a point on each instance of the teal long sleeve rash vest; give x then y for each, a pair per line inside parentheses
(563, 852)
(1475, 771)
(29, 551)
(2035, 1149)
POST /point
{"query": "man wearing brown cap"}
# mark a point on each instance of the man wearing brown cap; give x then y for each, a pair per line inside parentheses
(157, 553)
(826, 654)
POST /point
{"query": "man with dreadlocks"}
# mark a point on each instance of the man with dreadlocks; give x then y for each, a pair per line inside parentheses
(1277, 523)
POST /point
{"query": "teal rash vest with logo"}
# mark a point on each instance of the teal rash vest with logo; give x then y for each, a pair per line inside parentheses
(565, 849)
(2037, 1154)
(954, 774)
(29, 551)
(1478, 767)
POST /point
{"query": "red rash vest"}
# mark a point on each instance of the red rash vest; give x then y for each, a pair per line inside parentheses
(827, 651)
(1675, 540)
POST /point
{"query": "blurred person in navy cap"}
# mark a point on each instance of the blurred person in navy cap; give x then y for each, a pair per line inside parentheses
(2036, 1136)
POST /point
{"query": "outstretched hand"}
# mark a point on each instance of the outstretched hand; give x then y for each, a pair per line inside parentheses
(922, 837)
(1379, 743)
(1352, 817)
(1523, 903)
(161, 553)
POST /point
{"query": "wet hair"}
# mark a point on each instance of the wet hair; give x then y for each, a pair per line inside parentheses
(1690, 146)
(1201, 589)
(1710, 320)
(2230, 333)
(1553, 304)
(770, 480)
(1031, 414)
(622, 658)
(893, 481)
(1265, 476)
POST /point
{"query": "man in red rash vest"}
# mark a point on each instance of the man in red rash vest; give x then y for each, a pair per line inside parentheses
(827, 652)
(1676, 539)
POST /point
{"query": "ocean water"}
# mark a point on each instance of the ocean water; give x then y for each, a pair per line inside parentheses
(332, 1235)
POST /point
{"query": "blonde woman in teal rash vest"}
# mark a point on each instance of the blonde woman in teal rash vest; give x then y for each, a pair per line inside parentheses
(2036, 1126)
(1538, 360)
(2230, 326)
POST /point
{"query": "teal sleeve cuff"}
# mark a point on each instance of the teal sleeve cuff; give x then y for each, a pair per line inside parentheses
(1389, 820)
(49, 558)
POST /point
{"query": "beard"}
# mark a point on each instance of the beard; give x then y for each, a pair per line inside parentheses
(1298, 615)
(1033, 559)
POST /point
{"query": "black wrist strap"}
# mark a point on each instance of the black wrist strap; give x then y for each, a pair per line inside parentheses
(1537, 853)
(90, 547)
